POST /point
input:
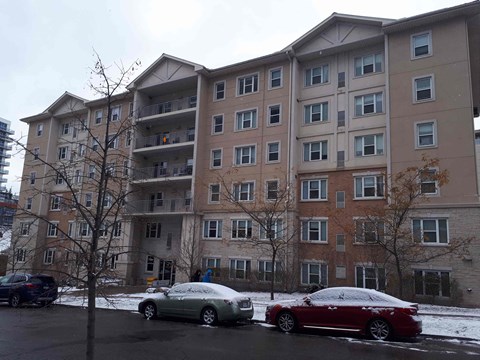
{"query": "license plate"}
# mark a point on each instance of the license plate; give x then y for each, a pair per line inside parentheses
(245, 304)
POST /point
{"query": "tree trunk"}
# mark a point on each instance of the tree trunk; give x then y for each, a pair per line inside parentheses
(272, 282)
(92, 292)
(400, 277)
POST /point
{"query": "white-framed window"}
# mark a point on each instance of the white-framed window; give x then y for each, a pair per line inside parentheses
(428, 182)
(98, 116)
(274, 114)
(219, 90)
(110, 169)
(266, 271)
(217, 124)
(59, 179)
(213, 264)
(314, 113)
(33, 176)
(315, 231)
(113, 261)
(62, 152)
(369, 231)
(240, 269)
(369, 145)
(245, 155)
(52, 229)
(369, 104)
(425, 134)
(316, 75)
(84, 229)
(370, 277)
(367, 64)
(91, 171)
(88, 200)
(315, 189)
(275, 78)
(247, 84)
(95, 144)
(153, 230)
(314, 151)
(65, 128)
(117, 228)
(112, 141)
(314, 273)
(369, 186)
(24, 228)
(273, 152)
(212, 229)
(421, 45)
(21, 255)
(128, 138)
(216, 158)
(107, 200)
(49, 256)
(71, 229)
(39, 130)
(149, 263)
(55, 202)
(214, 193)
(29, 203)
(244, 191)
(241, 229)
(271, 229)
(103, 229)
(423, 89)
(82, 149)
(116, 112)
(246, 120)
(430, 231)
(271, 189)
(432, 282)
(340, 272)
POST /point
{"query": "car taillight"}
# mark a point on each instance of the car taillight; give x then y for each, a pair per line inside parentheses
(409, 310)
(228, 302)
(31, 286)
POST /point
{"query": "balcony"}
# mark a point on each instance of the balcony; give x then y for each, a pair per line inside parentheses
(157, 172)
(167, 206)
(165, 139)
(168, 107)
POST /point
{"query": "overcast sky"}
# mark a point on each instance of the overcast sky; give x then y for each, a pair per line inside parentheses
(47, 45)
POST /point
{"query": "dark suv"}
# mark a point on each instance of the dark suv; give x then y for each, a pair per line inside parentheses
(26, 288)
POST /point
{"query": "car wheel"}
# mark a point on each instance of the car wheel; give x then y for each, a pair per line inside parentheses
(14, 300)
(379, 329)
(209, 316)
(286, 321)
(150, 311)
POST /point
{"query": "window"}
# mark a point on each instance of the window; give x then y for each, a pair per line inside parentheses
(219, 90)
(368, 64)
(81, 150)
(421, 45)
(214, 193)
(24, 229)
(340, 242)
(149, 264)
(340, 199)
(62, 152)
(315, 151)
(274, 113)
(84, 229)
(317, 75)
(217, 124)
(275, 78)
(423, 89)
(107, 200)
(314, 189)
(369, 231)
(110, 169)
(153, 230)
(88, 200)
(241, 229)
(246, 120)
(239, 269)
(213, 264)
(212, 229)
(245, 155)
(272, 189)
(273, 152)
(113, 261)
(91, 171)
(125, 167)
(28, 203)
(33, 176)
(95, 144)
(341, 79)
(52, 229)
(36, 153)
(271, 229)
(314, 230)
(112, 141)
(266, 271)
(103, 229)
(48, 256)
(243, 191)
(314, 273)
(426, 134)
(369, 145)
(65, 128)
(128, 138)
(316, 112)
(98, 116)
(433, 283)
(216, 158)
(431, 231)
(59, 179)
(115, 113)
(21, 255)
(369, 277)
(55, 202)
(368, 104)
(117, 229)
(369, 187)
(247, 84)
(428, 182)
(71, 229)
(39, 129)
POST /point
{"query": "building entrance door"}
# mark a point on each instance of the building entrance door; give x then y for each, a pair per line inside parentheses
(166, 272)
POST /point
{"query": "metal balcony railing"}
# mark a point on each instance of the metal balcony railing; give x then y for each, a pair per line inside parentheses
(156, 172)
(165, 139)
(168, 106)
(157, 206)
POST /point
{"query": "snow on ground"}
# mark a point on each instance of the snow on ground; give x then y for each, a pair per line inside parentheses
(437, 320)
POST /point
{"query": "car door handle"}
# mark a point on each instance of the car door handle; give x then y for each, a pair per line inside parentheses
(332, 308)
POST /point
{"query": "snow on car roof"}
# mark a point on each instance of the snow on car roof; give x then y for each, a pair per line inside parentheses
(222, 289)
(353, 294)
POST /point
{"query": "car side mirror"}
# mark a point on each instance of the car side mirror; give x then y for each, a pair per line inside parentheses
(307, 300)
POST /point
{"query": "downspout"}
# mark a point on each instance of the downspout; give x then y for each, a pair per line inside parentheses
(387, 115)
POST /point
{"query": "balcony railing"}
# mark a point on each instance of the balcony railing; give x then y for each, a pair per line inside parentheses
(169, 106)
(157, 206)
(165, 139)
(156, 172)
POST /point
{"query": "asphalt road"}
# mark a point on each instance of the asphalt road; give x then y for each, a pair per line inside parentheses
(58, 332)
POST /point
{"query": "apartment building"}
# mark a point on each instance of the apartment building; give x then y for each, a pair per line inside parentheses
(328, 117)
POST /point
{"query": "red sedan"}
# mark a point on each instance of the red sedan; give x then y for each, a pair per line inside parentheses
(348, 309)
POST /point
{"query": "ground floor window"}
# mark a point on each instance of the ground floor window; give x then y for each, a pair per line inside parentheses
(314, 273)
(370, 277)
(239, 269)
(266, 271)
(149, 264)
(212, 264)
(431, 282)
(48, 256)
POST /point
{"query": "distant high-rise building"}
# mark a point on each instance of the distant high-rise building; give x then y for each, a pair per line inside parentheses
(8, 202)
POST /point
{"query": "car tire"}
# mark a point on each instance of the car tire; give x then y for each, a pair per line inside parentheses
(209, 316)
(14, 300)
(286, 322)
(379, 329)
(150, 311)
